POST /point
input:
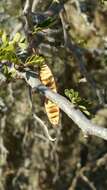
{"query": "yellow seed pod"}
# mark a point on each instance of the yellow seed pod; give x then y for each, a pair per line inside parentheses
(48, 80)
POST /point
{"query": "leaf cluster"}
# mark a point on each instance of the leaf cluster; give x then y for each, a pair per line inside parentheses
(8, 48)
(79, 102)
(34, 60)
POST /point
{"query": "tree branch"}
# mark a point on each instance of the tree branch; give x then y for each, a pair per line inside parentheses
(87, 127)
(28, 6)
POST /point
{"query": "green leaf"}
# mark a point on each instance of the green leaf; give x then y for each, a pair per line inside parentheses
(34, 59)
(4, 39)
(17, 37)
(74, 97)
(82, 107)
(87, 112)
(9, 47)
(22, 45)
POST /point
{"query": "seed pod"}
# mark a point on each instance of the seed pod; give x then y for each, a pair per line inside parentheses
(51, 108)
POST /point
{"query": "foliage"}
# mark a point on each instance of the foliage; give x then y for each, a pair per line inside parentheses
(8, 48)
(28, 160)
(10, 57)
(79, 102)
(34, 59)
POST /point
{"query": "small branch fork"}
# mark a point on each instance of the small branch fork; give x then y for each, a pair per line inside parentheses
(87, 127)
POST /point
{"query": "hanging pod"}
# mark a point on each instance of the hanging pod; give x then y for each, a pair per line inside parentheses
(48, 80)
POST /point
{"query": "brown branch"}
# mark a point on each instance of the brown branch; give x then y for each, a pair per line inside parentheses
(87, 127)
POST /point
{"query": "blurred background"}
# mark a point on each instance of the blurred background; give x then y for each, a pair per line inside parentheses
(28, 160)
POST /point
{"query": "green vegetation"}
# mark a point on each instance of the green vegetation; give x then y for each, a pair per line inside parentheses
(28, 160)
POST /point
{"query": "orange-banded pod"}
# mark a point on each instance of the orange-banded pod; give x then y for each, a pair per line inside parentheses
(51, 108)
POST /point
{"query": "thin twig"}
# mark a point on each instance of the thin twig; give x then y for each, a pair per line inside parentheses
(28, 6)
(44, 127)
(80, 174)
(34, 4)
(41, 136)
